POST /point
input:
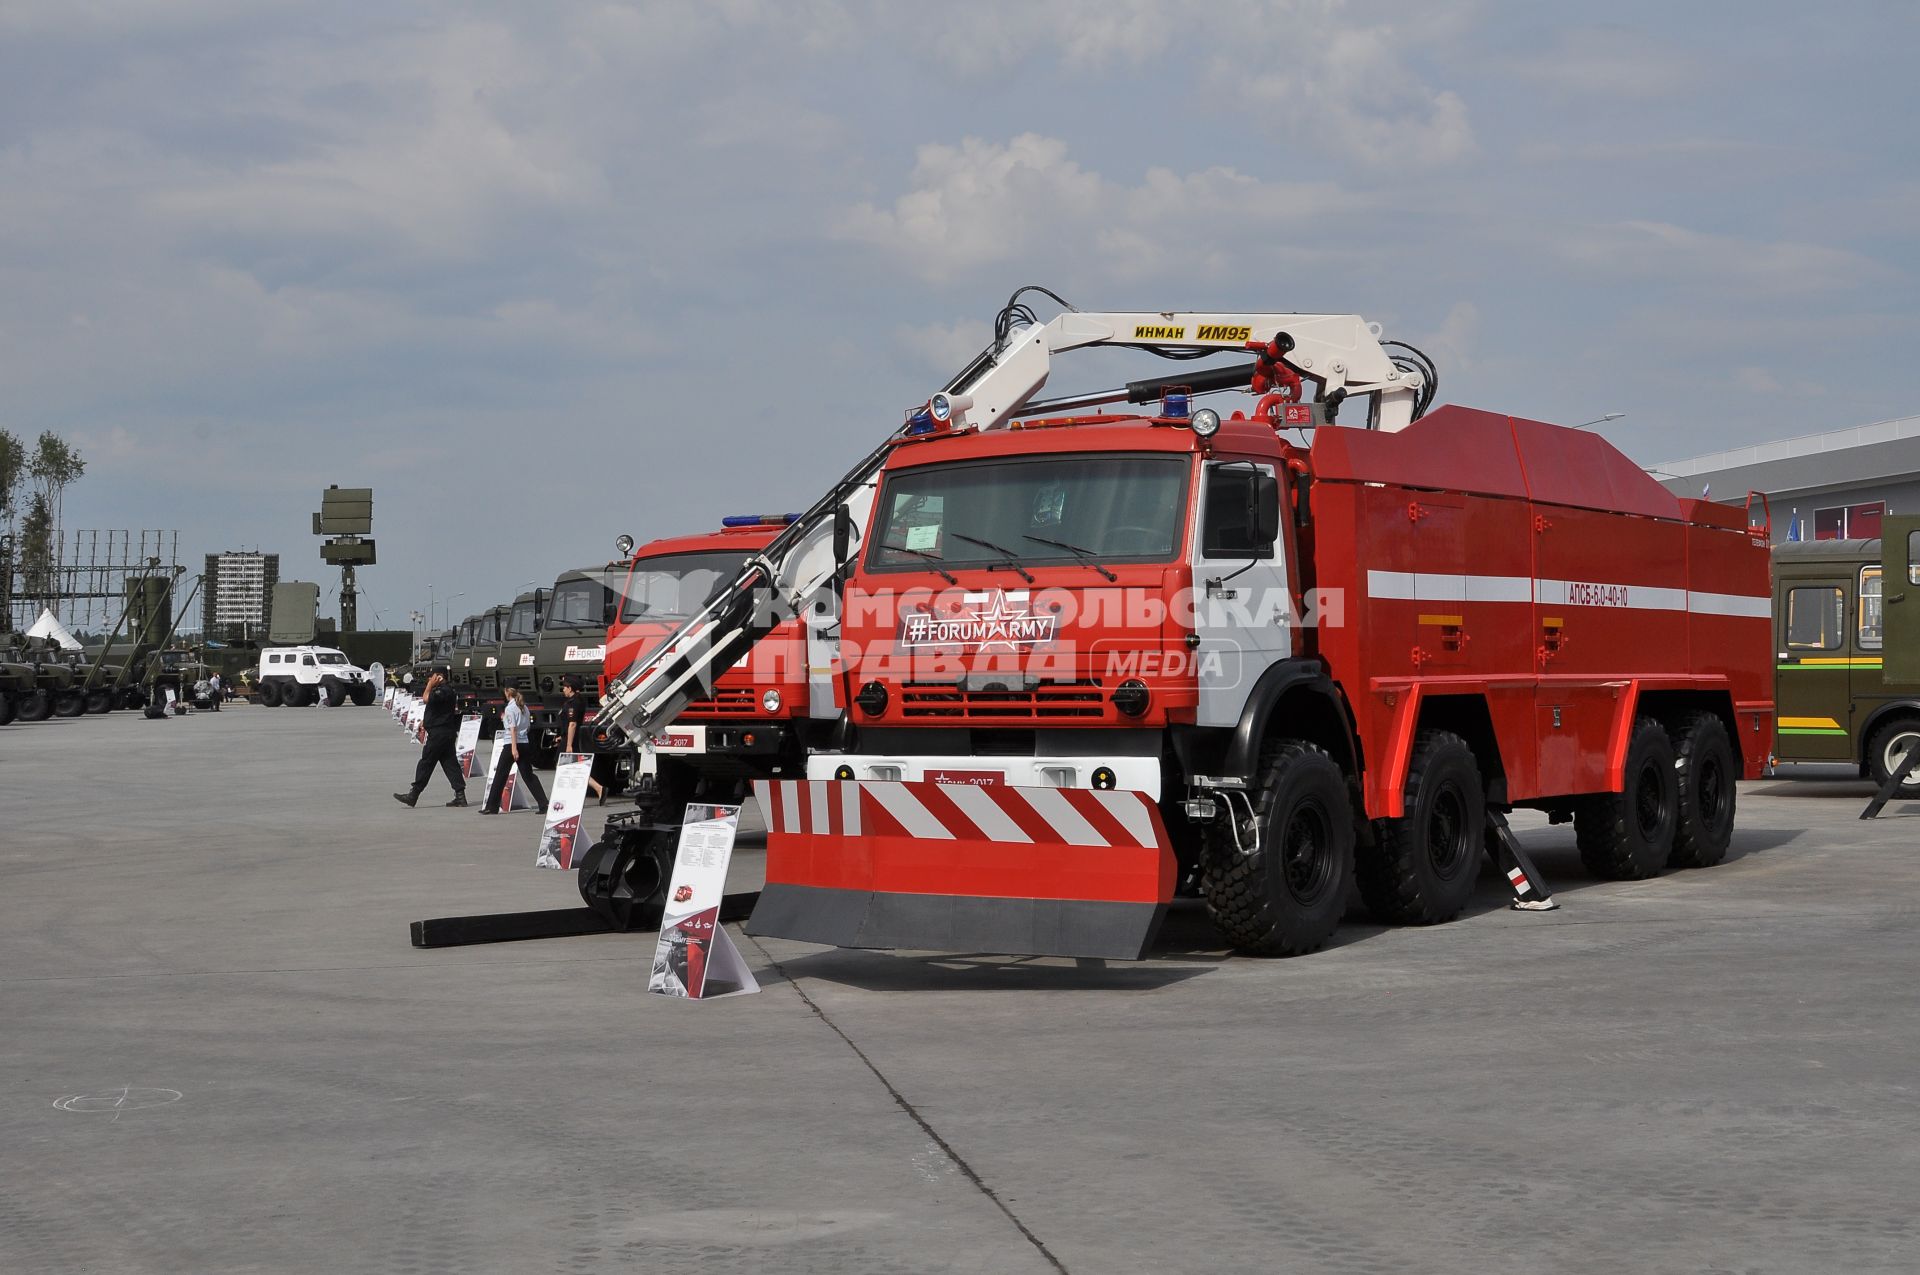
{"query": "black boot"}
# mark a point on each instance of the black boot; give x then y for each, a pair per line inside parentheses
(406, 798)
(459, 799)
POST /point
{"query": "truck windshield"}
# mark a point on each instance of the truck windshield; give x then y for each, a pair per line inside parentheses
(577, 604)
(676, 585)
(1032, 510)
(489, 629)
(330, 657)
(521, 623)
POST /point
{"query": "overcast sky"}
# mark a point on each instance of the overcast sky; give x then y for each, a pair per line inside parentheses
(540, 274)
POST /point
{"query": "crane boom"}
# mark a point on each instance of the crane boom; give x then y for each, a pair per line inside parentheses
(1341, 353)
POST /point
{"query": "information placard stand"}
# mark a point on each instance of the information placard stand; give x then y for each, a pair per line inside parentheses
(695, 958)
(561, 845)
(513, 796)
(466, 745)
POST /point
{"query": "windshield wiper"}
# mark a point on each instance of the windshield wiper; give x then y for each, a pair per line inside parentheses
(922, 553)
(988, 544)
(1086, 554)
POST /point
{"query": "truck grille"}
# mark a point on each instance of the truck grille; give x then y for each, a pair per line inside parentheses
(726, 702)
(1054, 699)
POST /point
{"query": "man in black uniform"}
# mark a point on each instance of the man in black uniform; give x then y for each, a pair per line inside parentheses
(573, 726)
(443, 729)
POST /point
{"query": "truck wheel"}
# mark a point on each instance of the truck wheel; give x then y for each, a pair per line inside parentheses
(1706, 769)
(36, 705)
(1285, 899)
(363, 694)
(295, 695)
(133, 698)
(336, 694)
(270, 694)
(1421, 868)
(99, 701)
(624, 878)
(69, 703)
(8, 707)
(1628, 835)
(1888, 748)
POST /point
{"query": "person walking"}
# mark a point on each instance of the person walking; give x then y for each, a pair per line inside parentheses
(573, 712)
(442, 725)
(513, 720)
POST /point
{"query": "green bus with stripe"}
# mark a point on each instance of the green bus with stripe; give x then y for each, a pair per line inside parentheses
(1847, 649)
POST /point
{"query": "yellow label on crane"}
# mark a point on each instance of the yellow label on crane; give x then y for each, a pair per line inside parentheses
(1224, 332)
(1159, 332)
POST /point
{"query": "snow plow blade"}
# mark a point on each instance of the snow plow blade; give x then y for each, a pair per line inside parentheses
(962, 868)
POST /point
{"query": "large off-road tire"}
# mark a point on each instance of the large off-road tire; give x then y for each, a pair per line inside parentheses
(624, 878)
(69, 702)
(295, 695)
(36, 705)
(1706, 769)
(1628, 835)
(1422, 867)
(336, 694)
(364, 693)
(8, 708)
(1286, 898)
(98, 701)
(133, 698)
(1887, 748)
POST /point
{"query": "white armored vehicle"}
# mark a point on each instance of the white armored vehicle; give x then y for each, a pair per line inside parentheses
(296, 676)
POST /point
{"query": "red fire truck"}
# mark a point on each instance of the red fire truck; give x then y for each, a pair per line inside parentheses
(1090, 656)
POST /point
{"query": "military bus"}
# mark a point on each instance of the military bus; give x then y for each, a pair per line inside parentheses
(1847, 641)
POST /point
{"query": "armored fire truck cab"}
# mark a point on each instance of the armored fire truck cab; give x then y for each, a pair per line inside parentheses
(1847, 648)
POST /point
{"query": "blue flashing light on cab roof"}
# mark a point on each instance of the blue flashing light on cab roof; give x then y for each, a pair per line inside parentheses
(758, 520)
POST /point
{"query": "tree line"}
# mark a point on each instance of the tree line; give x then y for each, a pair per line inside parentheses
(42, 472)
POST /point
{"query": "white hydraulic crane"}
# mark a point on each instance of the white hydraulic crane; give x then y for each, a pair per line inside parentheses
(1341, 355)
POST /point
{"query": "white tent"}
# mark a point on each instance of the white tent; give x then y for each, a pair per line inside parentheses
(48, 625)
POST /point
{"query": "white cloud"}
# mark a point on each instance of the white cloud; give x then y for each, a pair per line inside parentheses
(1659, 249)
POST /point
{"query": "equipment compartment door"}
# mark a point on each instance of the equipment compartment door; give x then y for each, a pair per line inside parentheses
(1241, 604)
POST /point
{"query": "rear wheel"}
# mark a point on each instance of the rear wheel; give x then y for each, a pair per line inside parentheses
(1706, 769)
(1284, 898)
(1888, 748)
(36, 705)
(69, 702)
(294, 695)
(1422, 867)
(99, 701)
(270, 694)
(1629, 835)
(8, 707)
(133, 697)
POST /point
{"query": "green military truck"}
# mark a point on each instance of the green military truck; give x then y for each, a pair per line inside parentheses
(1846, 617)
(520, 639)
(572, 643)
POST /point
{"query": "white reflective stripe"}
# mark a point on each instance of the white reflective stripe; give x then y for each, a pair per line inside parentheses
(787, 804)
(817, 806)
(1062, 817)
(1130, 808)
(1499, 589)
(1550, 593)
(1730, 604)
(906, 808)
(849, 806)
(985, 812)
(1390, 584)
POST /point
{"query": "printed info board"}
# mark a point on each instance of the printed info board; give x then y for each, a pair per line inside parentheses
(467, 744)
(696, 958)
(561, 845)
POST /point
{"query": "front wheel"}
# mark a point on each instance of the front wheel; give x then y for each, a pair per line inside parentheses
(36, 705)
(69, 703)
(8, 708)
(1629, 835)
(133, 698)
(336, 694)
(99, 701)
(1278, 887)
(363, 694)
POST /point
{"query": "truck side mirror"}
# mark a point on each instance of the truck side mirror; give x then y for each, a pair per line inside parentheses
(842, 535)
(1265, 515)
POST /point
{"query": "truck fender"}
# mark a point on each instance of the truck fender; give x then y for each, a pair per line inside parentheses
(1280, 679)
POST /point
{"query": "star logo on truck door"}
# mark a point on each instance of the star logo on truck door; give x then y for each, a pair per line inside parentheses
(999, 619)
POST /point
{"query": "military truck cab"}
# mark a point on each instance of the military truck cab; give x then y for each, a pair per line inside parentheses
(518, 642)
(1847, 648)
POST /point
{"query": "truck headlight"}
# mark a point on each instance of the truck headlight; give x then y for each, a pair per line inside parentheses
(770, 701)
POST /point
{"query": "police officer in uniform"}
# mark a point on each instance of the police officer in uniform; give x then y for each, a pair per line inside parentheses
(573, 716)
(443, 729)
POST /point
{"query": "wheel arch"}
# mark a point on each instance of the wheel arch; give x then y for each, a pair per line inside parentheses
(1295, 698)
(1671, 707)
(1890, 711)
(1468, 716)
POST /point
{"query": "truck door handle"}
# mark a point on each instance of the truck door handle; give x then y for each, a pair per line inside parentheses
(1896, 597)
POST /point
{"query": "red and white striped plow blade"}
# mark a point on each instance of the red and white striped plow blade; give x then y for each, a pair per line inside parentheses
(963, 868)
